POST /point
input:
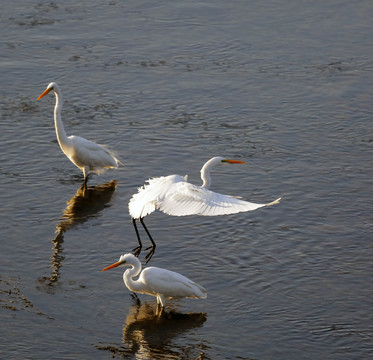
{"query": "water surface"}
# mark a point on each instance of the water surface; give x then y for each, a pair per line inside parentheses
(282, 85)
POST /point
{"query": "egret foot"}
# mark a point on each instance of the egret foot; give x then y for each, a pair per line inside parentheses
(150, 253)
(137, 250)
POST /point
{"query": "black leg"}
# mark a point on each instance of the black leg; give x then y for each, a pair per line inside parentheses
(137, 249)
(136, 299)
(152, 248)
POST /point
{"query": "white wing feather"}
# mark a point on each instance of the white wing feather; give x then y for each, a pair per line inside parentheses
(170, 284)
(150, 195)
(188, 199)
(88, 153)
(174, 196)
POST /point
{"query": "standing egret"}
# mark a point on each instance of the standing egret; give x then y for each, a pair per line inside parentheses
(162, 283)
(85, 154)
(174, 196)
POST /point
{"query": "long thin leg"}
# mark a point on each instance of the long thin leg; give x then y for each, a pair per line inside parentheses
(137, 249)
(136, 299)
(152, 248)
(160, 308)
(85, 175)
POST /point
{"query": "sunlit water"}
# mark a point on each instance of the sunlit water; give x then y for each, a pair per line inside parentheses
(285, 86)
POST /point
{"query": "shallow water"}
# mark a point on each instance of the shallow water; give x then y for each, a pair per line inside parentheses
(284, 86)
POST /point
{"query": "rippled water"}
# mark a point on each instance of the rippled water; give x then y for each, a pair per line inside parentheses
(285, 86)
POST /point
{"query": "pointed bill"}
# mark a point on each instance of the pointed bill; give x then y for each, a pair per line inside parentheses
(112, 266)
(47, 91)
(230, 161)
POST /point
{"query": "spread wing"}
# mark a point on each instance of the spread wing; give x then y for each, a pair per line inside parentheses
(188, 199)
(151, 195)
(174, 196)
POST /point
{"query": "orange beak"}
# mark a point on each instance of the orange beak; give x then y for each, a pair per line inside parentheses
(112, 266)
(233, 161)
(47, 91)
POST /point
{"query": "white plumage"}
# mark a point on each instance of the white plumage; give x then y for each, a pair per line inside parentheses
(85, 154)
(175, 196)
(161, 283)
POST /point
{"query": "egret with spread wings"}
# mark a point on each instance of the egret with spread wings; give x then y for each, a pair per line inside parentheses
(175, 196)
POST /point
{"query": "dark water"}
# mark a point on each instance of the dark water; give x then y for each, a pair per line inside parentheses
(284, 85)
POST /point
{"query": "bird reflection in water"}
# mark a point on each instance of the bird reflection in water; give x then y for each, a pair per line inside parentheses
(149, 335)
(88, 202)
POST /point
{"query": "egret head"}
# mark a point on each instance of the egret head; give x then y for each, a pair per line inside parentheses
(209, 165)
(51, 87)
(219, 160)
(124, 260)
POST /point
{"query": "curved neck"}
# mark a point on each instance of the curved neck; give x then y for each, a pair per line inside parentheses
(129, 274)
(60, 131)
(205, 174)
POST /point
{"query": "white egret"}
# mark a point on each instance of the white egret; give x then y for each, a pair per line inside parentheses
(174, 196)
(85, 154)
(161, 283)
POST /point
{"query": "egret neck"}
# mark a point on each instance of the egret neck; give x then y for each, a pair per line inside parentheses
(62, 138)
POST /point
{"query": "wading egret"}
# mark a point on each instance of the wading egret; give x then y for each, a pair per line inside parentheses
(161, 283)
(85, 154)
(174, 196)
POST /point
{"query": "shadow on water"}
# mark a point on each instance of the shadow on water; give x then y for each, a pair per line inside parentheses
(147, 335)
(85, 204)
